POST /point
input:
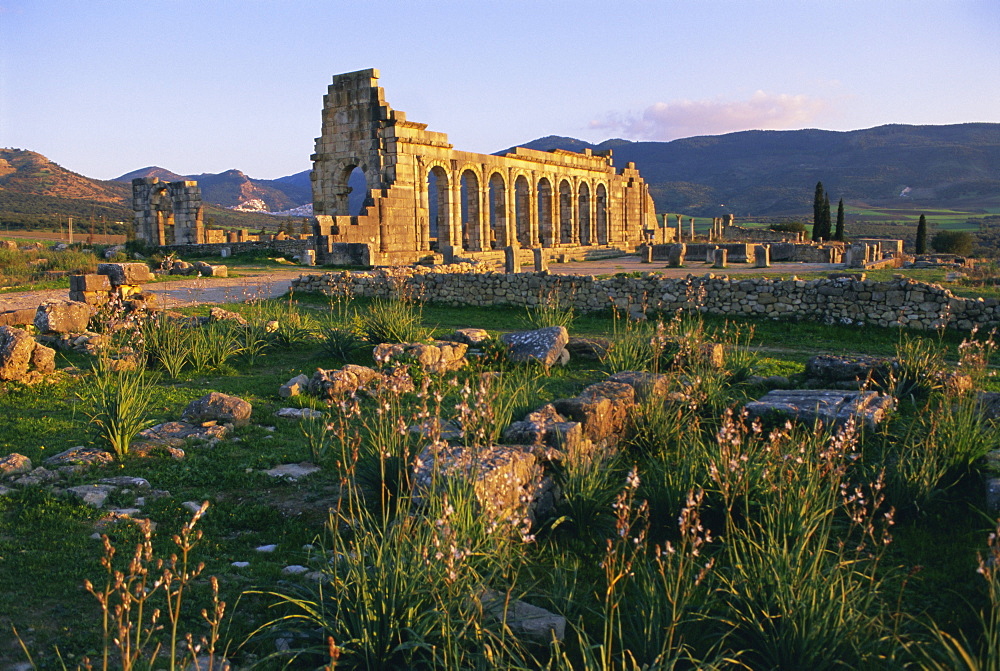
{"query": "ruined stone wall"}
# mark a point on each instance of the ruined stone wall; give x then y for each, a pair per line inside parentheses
(733, 232)
(157, 206)
(288, 247)
(422, 194)
(905, 303)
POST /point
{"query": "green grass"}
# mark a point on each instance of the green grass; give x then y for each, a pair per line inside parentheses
(613, 593)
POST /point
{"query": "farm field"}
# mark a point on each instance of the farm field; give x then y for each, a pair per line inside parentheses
(692, 542)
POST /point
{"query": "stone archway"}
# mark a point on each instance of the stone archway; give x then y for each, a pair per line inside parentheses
(438, 207)
(565, 212)
(602, 215)
(471, 217)
(498, 211)
(583, 208)
(545, 228)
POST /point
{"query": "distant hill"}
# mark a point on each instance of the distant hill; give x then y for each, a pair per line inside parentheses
(775, 172)
(30, 173)
(233, 188)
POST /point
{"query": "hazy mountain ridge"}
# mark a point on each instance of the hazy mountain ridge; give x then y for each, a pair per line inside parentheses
(768, 172)
(233, 188)
(28, 172)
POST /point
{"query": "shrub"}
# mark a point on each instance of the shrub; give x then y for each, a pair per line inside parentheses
(952, 242)
(393, 320)
(788, 227)
(119, 400)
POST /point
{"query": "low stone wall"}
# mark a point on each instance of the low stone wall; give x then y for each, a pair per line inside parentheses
(906, 303)
(732, 232)
(288, 247)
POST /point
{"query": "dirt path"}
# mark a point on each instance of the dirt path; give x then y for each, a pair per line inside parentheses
(184, 291)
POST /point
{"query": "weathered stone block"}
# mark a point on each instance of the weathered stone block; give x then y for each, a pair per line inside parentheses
(544, 345)
(827, 406)
(125, 273)
(56, 316)
(219, 407)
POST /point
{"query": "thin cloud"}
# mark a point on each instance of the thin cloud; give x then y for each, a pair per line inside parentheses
(686, 118)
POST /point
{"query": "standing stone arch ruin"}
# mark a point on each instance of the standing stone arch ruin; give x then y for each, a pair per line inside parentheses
(424, 196)
(168, 213)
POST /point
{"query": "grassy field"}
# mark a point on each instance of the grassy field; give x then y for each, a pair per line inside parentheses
(782, 557)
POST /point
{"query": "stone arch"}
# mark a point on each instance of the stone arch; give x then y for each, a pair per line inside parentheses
(565, 212)
(601, 214)
(470, 214)
(545, 224)
(350, 188)
(522, 211)
(583, 208)
(498, 211)
(438, 206)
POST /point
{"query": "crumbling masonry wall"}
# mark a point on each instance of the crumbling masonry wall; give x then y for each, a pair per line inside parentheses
(159, 205)
(423, 195)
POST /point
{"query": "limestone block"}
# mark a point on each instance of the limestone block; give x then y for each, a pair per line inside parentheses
(90, 297)
(14, 464)
(510, 481)
(603, 409)
(16, 348)
(219, 407)
(528, 623)
(17, 317)
(89, 282)
(644, 383)
(125, 273)
(344, 381)
(544, 345)
(57, 316)
(833, 368)
(594, 349)
(297, 385)
(438, 358)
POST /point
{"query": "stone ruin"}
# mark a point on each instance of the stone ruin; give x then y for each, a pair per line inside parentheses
(424, 196)
(161, 207)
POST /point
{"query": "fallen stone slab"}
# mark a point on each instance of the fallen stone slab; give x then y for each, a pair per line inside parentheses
(155, 448)
(835, 368)
(126, 482)
(545, 345)
(830, 407)
(218, 407)
(644, 383)
(299, 413)
(546, 426)
(81, 456)
(472, 337)
(292, 472)
(23, 317)
(92, 495)
(217, 314)
(174, 434)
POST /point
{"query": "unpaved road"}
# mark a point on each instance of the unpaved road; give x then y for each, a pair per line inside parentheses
(185, 291)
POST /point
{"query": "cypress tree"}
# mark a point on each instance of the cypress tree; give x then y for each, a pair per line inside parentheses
(839, 235)
(922, 235)
(827, 223)
(818, 211)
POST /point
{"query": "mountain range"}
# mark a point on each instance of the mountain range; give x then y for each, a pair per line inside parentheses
(747, 173)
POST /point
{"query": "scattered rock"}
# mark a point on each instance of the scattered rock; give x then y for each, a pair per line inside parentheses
(297, 385)
(989, 404)
(21, 356)
(299, 413)
(14, 464)
(266, 548)
(38, 476)
(828, 368)
(544, 345)
(125, 273)
(126, 481)
(592, 349)
(154, 448)
(191, 506)
(217, 314)
(443, 429)
(292, 472)
(216, 406)
(175, 433)
(528, 623)
(472, 337)
(294, 569)
(240, 564)
(645, 384)
(603, 409)
(344, 381)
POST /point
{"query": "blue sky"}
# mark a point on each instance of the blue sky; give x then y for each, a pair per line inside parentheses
(106, 87)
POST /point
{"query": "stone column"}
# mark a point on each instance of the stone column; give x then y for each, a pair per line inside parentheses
(710, 254)
(762, 256)
(691, 229)
(510, 259)
(454, 213)
(541, 262)
(676, 254)
(647, 253)
(680, 230)
(720, 258)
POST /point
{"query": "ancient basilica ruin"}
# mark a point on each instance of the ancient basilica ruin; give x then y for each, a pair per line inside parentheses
(425, 196)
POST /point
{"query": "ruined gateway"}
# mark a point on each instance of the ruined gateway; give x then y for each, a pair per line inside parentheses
(424, 196)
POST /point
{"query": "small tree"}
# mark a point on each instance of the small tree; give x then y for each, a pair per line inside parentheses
(818, 212)
(921, 246)
(839, 234)
(827, 222)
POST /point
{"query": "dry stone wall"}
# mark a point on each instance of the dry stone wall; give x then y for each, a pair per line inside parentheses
(845, 300)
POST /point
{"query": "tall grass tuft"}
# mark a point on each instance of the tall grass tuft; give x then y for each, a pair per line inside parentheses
(394, 320)
(550, 310)
(168, 344)
(120, 400)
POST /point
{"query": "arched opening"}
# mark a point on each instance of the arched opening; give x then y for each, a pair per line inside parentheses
(522, 211)
(471, 228)
(602, 214)
(438, 207)
(498, 212)
(166, 233)
(583, 206)
(565, 212)
(358, 198)
(545, 212)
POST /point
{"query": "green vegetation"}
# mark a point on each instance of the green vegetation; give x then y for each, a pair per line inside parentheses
(699, 542)
(920, 247)
(952, 242)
